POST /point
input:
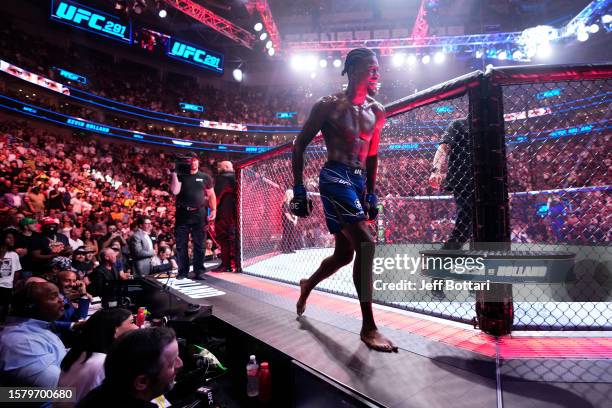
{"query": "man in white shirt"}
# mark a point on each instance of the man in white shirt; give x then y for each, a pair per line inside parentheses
(74, 240)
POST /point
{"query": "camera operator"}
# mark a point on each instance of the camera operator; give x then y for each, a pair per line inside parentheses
(193, 189)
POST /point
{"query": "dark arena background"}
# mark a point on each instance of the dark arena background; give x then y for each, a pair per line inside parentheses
(103, 102)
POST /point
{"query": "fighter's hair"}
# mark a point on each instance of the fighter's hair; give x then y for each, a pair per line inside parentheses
(355, 56)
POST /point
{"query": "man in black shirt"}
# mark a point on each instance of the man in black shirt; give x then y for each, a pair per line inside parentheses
(48, 245)
(452, 167)
(225, 225)
(104, 273)
(455, 149)
(192, 192)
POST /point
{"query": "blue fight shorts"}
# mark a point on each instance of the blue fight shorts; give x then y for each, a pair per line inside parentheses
(342, 192)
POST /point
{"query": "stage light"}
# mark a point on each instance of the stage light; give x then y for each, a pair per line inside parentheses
(582, 36)
(478, 54)
(337, 63)
(263, 36)
(593, 28)
(411, 59)
(502, 55)
(439, 57)
(269, 44)
(237, 74)
(271, 52)
(426, 59)
(517, 55)
(313, 75)
(323, 63)
(296, 62)
(310, 62)
(606, 19)
(258, 27)
(544, 50)
(398, 59)
(162, 13)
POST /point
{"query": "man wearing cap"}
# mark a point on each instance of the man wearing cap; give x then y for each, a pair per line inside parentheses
(48, 245)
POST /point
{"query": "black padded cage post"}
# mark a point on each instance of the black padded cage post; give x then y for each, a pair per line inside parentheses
(490, 222)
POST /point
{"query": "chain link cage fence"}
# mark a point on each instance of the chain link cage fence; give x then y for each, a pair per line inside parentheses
(416, 216)
(559, 162)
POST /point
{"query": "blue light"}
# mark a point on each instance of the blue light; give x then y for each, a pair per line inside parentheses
(549, 94)
(135, 136)
(444, 109)
(72, 76)
(195, 55)
(89, 19)
(285, 115)
(191, 107)
(28, 109)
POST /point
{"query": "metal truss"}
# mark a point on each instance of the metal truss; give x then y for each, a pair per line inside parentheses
(587, 16)
(421, 28)
(212, 20)
(263, 8)
(447, 43)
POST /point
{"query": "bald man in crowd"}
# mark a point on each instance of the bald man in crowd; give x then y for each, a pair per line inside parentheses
(225, 224)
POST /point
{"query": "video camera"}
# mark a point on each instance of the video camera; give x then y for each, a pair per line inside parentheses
(182, 164)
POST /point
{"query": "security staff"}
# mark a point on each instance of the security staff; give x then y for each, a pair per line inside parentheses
(193, 191)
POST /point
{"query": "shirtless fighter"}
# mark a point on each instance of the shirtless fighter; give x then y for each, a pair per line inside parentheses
(351, 122)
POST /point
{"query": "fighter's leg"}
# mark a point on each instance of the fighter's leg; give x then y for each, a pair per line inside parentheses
(363, 242)
(343, 255)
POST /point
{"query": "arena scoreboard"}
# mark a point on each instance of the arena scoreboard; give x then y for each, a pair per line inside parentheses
(92, 20)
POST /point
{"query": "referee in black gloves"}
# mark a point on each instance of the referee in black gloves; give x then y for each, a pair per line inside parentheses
(193, 191)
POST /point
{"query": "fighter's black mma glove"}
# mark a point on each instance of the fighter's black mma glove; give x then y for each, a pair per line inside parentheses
(370, 207)
(300, 204)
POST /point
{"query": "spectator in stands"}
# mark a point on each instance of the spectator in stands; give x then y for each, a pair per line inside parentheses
(83, 366)
(35, 201)
(89, 241)
(35, 362)
(80, 263)
(48, 245)
(141, 247)
(210, 251)
(74, 239)
(76, 298)
(163, 261)
(8, 269)
(105, 272)
(140, 366)
(225, 223)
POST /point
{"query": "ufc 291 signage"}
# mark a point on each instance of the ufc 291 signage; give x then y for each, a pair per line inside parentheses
(92, 20)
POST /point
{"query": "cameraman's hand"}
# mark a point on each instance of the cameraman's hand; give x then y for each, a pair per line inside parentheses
(213, 215)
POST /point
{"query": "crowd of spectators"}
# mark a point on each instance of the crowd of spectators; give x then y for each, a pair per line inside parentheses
(144, 86)
(68, 210)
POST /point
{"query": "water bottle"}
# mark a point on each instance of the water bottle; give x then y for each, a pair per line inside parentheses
(265, 383)
(252, 380)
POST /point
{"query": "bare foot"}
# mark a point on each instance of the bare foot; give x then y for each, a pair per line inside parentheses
(301, 303)
(377, 341)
